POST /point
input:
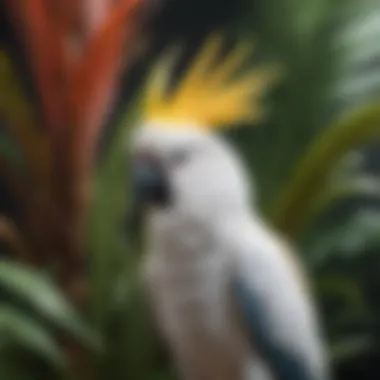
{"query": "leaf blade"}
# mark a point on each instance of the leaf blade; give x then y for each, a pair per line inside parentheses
(354, 130)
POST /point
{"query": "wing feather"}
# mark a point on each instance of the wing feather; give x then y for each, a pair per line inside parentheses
(275, 305)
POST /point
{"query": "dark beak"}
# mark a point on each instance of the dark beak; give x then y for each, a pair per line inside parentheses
(150, 189)
(150, 183)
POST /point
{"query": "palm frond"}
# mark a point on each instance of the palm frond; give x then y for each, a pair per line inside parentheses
(291, 209)
(18, 329)
(40, 293)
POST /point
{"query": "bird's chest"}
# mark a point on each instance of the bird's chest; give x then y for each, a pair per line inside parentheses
(192, 298)
(192, 310)
(188, 279)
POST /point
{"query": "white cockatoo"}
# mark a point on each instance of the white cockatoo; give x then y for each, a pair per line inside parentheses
(228, 295)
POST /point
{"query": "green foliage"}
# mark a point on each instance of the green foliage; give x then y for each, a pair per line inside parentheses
(292, 206)
(303, 189)
(18, 328)
(32, 312)
(39, 292)
(116, 308)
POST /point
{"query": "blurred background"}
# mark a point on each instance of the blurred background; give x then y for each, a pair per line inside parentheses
(71, 77)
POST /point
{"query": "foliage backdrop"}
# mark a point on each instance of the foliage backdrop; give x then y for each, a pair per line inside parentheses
(315, 179)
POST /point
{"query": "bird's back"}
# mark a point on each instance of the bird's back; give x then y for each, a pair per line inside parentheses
(275, 297)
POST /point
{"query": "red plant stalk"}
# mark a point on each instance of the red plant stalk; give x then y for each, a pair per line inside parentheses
(75, 50)
(93, 89)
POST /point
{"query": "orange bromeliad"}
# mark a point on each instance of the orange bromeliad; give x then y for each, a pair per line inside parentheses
(75, 54)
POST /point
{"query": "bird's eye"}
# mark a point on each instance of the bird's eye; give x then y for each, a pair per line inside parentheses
(179, 158)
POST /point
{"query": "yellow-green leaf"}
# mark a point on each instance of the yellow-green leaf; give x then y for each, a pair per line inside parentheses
(295, 205)
(17, 114)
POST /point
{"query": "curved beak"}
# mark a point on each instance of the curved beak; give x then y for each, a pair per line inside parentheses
(150, 189)
(150, 182)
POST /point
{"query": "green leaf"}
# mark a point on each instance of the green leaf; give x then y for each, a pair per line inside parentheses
(359, 40)
(294, 207)
(300, 104)
(18, 329)
(105, 235)
(344, 287)
(39, 292)
(350, 347)
(363, 230)
(19, 117)
(116, 303)
(8, 151)
(353, 187)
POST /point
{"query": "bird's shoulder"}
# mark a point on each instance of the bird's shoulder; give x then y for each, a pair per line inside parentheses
(259, 251)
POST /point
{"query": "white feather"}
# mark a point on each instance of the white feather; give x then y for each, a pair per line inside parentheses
(194, 247)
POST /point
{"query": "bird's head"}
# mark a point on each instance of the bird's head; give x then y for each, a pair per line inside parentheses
(179, 161)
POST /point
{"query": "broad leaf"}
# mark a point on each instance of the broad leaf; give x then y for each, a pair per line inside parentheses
(18, 329)
(293, 207)
(39, 292)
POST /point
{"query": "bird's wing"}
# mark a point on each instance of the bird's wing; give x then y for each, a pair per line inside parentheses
(275, 307)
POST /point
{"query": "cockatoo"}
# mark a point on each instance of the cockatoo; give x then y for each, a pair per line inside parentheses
(229, 298)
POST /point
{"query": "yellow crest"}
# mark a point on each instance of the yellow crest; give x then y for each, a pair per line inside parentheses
(208, 98)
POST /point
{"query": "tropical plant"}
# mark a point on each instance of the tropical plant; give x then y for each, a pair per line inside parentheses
(54, 108)
(60, 80)
(306, 187)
